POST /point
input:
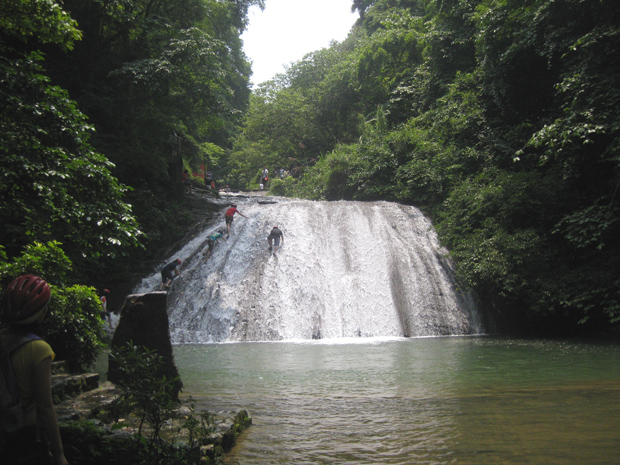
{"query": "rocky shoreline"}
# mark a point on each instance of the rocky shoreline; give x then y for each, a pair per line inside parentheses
(82, 400)
(94, 405)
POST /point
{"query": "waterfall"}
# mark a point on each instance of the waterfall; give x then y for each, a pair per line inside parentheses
(346, 269)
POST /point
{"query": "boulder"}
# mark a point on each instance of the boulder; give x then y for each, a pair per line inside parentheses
(144, 323)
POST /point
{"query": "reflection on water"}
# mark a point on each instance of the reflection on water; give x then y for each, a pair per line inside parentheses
(405, 401)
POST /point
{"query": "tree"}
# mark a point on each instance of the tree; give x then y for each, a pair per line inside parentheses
(163, 83)
(73, 326)
(275, 132)
(42, 22)
(501, 119)
(57, 187)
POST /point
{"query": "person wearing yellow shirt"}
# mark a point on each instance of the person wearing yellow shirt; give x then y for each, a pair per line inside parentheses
(24, 308)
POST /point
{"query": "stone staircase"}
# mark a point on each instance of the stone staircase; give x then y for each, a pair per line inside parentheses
(80, 397)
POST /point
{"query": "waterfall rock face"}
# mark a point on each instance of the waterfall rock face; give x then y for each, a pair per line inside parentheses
(346, 269)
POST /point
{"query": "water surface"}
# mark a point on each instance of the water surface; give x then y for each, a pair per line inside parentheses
(452, 400)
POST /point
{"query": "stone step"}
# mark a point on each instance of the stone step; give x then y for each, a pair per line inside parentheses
(88, 404)
(65, 386)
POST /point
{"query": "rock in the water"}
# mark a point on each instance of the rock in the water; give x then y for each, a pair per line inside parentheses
(144, 322)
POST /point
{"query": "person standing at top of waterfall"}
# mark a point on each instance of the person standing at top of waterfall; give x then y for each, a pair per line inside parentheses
(230, 213)
(211, 240)
(264, 176)
(168, 273)
(274, 238)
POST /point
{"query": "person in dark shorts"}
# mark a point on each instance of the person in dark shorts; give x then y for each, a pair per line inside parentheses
(168, 273)
(274, 238)
(230, 213)
(211, 240)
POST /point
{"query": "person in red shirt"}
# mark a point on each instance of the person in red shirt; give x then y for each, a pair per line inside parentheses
(230, 213)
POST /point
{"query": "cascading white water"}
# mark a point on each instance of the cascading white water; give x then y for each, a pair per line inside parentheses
(346, 269)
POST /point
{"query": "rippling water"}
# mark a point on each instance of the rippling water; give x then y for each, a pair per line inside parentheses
(454, 400)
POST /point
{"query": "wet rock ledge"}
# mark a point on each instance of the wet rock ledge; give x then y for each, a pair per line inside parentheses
(82, 398)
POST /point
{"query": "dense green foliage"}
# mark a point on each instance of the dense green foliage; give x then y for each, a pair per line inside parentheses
(144, 394)
(73, 326)
(103, 104)
(499, 118)
(158, 80)
(164, 85)
(59, 187)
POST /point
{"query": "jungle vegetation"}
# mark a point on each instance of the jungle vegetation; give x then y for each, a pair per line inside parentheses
(500, 119)
(102, 105)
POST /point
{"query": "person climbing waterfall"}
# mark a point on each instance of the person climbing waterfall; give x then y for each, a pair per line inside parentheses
(264, 177)
(274, 238)
(211, 240)
(230, 213)
(168, 273)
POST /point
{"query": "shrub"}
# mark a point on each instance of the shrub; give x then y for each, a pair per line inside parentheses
(74, 327)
